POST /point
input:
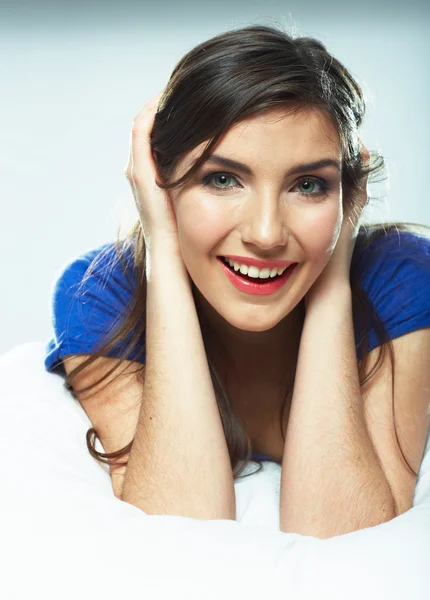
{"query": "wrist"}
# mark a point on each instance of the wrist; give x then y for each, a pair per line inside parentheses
(163, 253)
(330, 292)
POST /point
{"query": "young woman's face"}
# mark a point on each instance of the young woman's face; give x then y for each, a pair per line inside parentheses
(274, 209)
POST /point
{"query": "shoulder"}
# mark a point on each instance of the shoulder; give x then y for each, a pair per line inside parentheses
(91, 298)
(385, 248)
(392, 267)
(386, 260)
(103, 262)
(102, 277)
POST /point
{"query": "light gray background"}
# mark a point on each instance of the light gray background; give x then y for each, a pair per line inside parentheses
(74, 74)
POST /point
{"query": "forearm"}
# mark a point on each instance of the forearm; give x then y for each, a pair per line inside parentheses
(332, 481)
(179, 463)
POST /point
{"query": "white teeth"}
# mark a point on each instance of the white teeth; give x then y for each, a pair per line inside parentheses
(254, 271)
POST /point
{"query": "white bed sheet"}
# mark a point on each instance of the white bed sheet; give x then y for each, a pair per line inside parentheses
(65, 535)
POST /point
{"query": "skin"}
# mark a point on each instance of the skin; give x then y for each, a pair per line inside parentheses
(264, 215)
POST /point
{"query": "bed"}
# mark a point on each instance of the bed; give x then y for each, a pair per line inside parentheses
(65, 535)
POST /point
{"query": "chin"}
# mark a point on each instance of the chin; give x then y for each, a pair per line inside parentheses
(251, 326)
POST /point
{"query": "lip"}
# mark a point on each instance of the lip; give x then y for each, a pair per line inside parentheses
(258, 289)
(256, 262)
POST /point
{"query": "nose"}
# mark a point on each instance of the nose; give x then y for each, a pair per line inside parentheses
(265, 223)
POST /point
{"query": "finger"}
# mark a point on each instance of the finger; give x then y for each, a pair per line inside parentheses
(141, 163)
(365, 157)
(364, 152)
(155, 100)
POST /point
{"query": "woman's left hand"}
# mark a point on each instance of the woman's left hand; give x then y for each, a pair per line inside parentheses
(338, 267)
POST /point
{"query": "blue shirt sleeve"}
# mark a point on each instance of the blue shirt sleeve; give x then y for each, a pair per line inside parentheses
(90, 299)
(394, 271)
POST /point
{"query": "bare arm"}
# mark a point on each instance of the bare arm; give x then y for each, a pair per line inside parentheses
(179, 463)
(332, 481)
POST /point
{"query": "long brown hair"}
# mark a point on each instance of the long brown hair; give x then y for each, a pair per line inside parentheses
(228, 78)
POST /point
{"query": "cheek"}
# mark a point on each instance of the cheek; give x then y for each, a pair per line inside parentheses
(200, 226)
(320, 231)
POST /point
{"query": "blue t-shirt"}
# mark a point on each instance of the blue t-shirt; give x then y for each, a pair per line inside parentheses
(90, 299)
(92, 295)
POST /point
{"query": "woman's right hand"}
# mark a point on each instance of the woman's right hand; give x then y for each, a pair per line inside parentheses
(153, 204)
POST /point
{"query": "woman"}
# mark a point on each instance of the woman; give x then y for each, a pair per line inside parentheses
(247, 315)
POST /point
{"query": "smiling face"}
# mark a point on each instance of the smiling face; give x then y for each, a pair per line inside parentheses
(273, 209)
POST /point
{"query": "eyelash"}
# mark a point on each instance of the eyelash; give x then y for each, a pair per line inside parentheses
(206, 181)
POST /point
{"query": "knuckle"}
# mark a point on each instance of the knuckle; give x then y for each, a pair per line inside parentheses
(139, 124)
(136, 130)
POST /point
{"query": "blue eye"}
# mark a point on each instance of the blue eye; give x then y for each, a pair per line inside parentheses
(208, 180)
(313, 186)
(311, 183)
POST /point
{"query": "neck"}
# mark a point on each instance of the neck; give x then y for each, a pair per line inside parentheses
(268, 355)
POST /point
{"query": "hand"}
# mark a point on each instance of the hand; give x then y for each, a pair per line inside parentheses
(153, 204)
(337, 270)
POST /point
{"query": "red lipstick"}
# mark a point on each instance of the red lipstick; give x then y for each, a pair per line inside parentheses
(257, 286)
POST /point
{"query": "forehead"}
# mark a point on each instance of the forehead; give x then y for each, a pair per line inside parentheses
(307, 133)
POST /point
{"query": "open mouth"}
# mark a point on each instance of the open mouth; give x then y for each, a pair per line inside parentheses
(256, 279)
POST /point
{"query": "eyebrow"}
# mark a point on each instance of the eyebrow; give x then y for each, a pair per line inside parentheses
(300, 168)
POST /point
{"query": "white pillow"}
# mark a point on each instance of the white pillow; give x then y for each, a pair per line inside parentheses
(65, 535)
